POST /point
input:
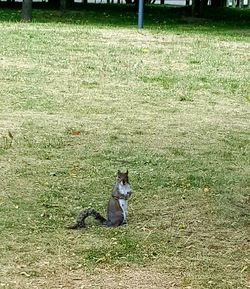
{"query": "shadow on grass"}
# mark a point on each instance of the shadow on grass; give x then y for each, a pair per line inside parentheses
(155, 17)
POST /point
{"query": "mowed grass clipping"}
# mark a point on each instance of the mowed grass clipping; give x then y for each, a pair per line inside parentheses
(77, 103)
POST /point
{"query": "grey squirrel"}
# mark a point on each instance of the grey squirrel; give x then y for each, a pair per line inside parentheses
(117, 205)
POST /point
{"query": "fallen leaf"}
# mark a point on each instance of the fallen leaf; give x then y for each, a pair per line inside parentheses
(75, 132)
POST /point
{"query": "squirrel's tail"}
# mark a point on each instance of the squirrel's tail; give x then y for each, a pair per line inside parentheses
(80, 220)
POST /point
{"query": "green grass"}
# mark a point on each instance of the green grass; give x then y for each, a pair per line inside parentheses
(172, 106)
(155, 17)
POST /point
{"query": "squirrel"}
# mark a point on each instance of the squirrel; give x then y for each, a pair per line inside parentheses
(117, 205)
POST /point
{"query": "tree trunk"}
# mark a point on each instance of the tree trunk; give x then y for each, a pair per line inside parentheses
(54, 4)
(196, 5)
(199, 7)
(26, 14)
(241, 4)
(63, 4)
(60, 4)
(218, 3)
(203, 7)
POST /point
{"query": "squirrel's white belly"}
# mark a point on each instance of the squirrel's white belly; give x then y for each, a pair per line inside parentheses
(124, 206)
(124, 190)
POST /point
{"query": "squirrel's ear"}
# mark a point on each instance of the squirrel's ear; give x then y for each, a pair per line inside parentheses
(118, 172)
(127, 172)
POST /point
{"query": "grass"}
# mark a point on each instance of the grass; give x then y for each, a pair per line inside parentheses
(172, 106)
(155, 16)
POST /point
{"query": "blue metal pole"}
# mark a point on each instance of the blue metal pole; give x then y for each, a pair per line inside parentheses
(140, 13)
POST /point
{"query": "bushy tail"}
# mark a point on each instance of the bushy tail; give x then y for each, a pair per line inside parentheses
(80, 220)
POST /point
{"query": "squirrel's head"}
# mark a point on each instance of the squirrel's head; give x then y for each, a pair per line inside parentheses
(122, 177)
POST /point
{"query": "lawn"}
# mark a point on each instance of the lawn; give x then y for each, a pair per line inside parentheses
(80, 100)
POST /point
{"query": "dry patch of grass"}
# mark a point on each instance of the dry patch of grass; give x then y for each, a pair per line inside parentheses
(82, 102)
(100, 278)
